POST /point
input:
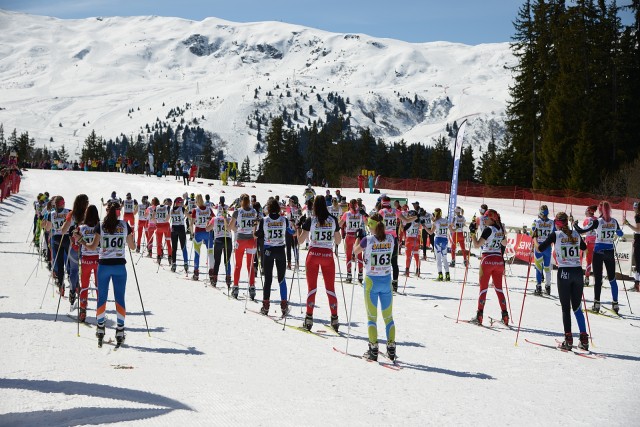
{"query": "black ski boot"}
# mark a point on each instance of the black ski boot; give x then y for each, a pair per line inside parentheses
(567, 344)
(173, 267)
(391, 350)
(228, 280)
(284, 306)
(452, 263)
(584, 341)
(196, 274)
(83, 315)
(213, 278)
(586, 281)
(349, 278)
(360, 277)
(478, 319)
(159, 259)
(505, 317)
(614, 305)
(150, 253)
(547, 289)
(265, 307)
(440, 278)
(137, 249)
(538, 290)
(252, 292)
(235, 292)
(72, 297)
(596, 307)
(447, 277)
(186, 268)
(394, 284)
(119, 336)
(100, 333)
(334, 322)
(308, 322)
(372, 353)
(406, 272)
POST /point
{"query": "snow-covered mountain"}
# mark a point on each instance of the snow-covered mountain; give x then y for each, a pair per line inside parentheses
(61, 78)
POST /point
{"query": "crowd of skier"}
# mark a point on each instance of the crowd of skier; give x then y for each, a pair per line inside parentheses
(76, 243)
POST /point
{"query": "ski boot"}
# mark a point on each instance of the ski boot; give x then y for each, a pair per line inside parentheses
(452, 263)
(308, 322)
(636, 286)
(349, 278)
(288, 265)
(173, 267)
(417, 272)
(614, 306)
(360, 277)
(100, 333)
(61, 289)
(186, 268)
(235, 292)
(394, 284)
(567, 344)
(82, 317)
(265, 307)
(252, 292)
(372, 352)
(538, 290)
(466, 263)
(150, 254)
(391, 350)
(584, 341)
(334, 322)
(447, 277)
(284, 306)
(478, 319)
(213, 278)
(406, 272)
(159, 259)
(596, 307)
(196, 274)
(440, 278)
(547, 289)
(72, 297)
(505, 317)
(119, 336)
(228, 280)
(586, 281)
(137, 249)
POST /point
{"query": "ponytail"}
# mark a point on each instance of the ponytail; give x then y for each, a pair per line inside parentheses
(379, 231)
(111, 221)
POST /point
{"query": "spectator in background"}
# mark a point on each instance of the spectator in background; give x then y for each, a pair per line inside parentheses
(185, 173)
(360, 183)
(165, 166)
(370, 184)
(310, 176)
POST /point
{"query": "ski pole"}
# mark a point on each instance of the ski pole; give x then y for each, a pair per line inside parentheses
(506, 288)
(525, 293)
(32, 271)
(349, 320)
(586, 314)
(246, 299)
(139, 293)
(344, 298)
(293, 275)
(52, 270)
(624, 285)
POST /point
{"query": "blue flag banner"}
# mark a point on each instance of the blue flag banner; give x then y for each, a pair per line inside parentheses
(453, 196)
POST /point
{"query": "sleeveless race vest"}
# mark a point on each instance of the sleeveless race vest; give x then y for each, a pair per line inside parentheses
(162, 214)
(245, 221)
(177, 216)
(377, 256)
(127, 206)
(203, 216)
(294, 215)
(590, 236)
(606, 231)
(220, 230)
(413, 230)
(353, 222)
(459, 223)
(567, 249)
(191, 204)
(143, 214)
(321, 235)
(112, 245)
(543, 228)
(88, 234)
(57, 221)
(274, 231)
(442, 227)
(390, 220)
(427, 220)
(493, 244)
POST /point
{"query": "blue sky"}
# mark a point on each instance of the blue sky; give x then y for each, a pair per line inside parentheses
(464, 21)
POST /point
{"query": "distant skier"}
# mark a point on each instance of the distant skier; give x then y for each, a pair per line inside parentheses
(309, 193)
(222, 244)
(243, 222)
(590, 240)
(200, 217)
(542, 227)
(457, 235)
(179, 233)
(352, 221)
(441, 230)
(59, 240)
(128, 207)
(636, 244)
(143, 222)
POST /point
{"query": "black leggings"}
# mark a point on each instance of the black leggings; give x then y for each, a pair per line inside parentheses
(570, 284)
(394, 259)
(292, 241)
(178, 232)
(426, 237)
(599, 258)
(273, 255)
(220, 246)
(259, 252)
(636, 251)
(61, 243)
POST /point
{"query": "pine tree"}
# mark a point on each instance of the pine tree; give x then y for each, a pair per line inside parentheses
(274, 162)
(245, 170)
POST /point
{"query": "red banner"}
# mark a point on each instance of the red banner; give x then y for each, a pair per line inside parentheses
(519, 245)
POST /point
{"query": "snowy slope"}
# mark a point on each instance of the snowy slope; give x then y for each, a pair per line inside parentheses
(208, 363)
(93, 71)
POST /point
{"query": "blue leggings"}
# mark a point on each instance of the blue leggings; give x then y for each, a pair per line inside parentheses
(106, 273)
(543, 262)
(379, 288)
(201, 237)
(73, 269)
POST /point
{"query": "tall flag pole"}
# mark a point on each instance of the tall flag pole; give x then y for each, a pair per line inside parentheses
(453, 196)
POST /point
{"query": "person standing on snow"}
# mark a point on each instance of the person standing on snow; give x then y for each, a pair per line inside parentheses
(590, 240)
(179, 233)
(222, 243)
(457, 236)
(542, 227)
(128, 208)
(378, 249)
(200, 217)
(352, 221)
(636, 244)
(567, 246)
(441, 230)
(243, 222)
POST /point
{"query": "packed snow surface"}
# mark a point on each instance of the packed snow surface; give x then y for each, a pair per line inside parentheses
(206, 362)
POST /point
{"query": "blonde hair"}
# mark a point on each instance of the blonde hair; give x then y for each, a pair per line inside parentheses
(199, 200)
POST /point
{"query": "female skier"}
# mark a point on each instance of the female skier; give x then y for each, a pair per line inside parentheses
(200, 217)
(143, 222)
(273, 229)
(567, 246)
(441, 230)
(179, 233)
(590, 239)
(163, 230)
(352, 221)
(59, 240)
(74, 218)
(457, 236)
(378, 249)
(491, 264)
(112, 235)
(222, 244)
(88, 258)
(153, 226)
(294, 212)
(603, 253)
(243, 223)
(322, 231)
(542, 227)
(636, 244)
(412, 232)
(391, 217)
